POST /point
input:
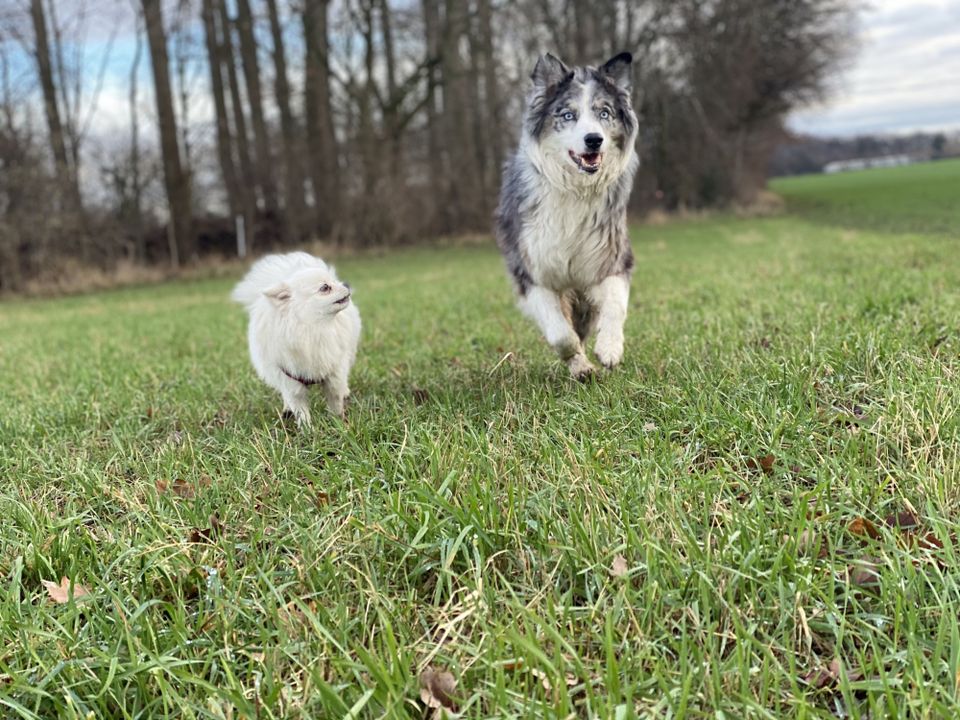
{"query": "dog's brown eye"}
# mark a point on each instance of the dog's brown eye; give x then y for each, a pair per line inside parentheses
(324, 289)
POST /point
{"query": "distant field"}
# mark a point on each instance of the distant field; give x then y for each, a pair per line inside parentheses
(755, 517)
(914, 198)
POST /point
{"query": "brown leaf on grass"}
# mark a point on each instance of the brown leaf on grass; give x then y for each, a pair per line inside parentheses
(863, 527)
(437, 688)
(511, 665)
(207, 535)
(60, 594)
(828, 676)
(929, 542)
(184, 489)
(864, 573)
(321, 499)
(619, 568)
(420, 396)
(764, 463)
(161, 486)
(902, 521)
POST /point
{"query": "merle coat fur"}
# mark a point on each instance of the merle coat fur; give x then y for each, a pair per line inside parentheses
(561, 223)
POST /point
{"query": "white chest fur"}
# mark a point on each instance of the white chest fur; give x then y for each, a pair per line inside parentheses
(565, 237)
(562, 242)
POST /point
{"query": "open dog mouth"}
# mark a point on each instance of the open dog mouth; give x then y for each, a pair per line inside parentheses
(587, 162)
(342, 301)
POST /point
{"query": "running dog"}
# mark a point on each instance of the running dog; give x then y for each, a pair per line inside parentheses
(561, 223)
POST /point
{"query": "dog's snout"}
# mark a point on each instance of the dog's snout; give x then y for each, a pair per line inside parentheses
(593, 141)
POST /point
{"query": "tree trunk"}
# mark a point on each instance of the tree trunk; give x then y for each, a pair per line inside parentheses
(224, 141)
(247, 180)
(464, 189)
(493, 122)
(136, 183)
(293, 190)
(435, 159)
(324, 161)
(251, 75)
(69, 189)
(391, 115)
(176, 181)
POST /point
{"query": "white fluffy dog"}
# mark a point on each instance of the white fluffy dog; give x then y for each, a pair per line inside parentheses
(304, 329)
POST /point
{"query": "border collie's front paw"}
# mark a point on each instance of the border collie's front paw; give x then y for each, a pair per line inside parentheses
(580, 368)
(609, 352)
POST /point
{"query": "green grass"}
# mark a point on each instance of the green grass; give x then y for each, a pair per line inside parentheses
(469, 515)
(914, 198)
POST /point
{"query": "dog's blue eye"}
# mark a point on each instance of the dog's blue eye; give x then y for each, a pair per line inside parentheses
(568, 116)
(604, 115)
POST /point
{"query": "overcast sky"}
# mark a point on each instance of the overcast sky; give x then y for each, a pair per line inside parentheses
(904, 76)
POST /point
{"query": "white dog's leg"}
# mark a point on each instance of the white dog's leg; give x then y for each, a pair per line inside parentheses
(296, 400)
(335, 390)
(545, 308)
(610, 298)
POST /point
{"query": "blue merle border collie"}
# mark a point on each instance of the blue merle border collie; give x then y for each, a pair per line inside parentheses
(562, 219)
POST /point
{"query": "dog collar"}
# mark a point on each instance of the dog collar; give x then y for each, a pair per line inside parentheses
(302, 380)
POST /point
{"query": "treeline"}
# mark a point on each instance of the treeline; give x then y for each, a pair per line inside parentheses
(363, 122)
(802, 154)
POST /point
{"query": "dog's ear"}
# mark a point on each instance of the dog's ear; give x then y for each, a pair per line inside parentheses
(620, 70)
(549, 71)
(279, 294)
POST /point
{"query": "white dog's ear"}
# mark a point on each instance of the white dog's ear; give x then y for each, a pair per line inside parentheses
(620, 70)
(278, 294)
(549, 71)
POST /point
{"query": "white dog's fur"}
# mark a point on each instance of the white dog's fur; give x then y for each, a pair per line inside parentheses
(304, 329)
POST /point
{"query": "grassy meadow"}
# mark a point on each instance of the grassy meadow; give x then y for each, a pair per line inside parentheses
(756, 516)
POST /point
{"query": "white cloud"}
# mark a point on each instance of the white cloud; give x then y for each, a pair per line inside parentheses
(905, 76)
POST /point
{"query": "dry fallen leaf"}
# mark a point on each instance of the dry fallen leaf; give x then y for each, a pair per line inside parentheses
(649, 426)
(61, 593)
(864, 573)
(824, 676)
(619, 568)
(764, 463)
(437, 688)
(863, 527)
(420, 396)
(902, 521)
(207, 535)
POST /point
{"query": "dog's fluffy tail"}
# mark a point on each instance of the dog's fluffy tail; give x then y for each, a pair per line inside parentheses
(269, 271)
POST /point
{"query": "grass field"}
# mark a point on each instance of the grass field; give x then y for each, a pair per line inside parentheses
(754, 517)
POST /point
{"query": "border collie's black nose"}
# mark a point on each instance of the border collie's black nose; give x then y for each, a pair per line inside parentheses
(593, 141)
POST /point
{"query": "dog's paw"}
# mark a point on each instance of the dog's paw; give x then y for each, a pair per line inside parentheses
(609, 352)
(580, 368)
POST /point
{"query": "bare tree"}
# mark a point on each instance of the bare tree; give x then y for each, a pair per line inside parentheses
(215, 61)
(176, 180)
(246, 190)
(321, 137)
(69, 185)
(291, 137)
(251, 74)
